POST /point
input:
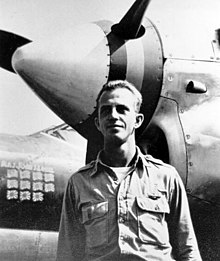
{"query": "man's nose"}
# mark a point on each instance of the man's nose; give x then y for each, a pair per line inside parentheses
(114, 113)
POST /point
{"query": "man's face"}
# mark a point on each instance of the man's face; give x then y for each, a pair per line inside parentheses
(117, 116)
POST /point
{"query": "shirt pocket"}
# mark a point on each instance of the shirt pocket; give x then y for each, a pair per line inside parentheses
(95, 220)
(152, 226)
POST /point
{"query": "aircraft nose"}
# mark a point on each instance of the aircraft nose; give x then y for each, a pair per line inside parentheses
(68, 71)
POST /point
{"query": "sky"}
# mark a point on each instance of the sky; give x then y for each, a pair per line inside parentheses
(21, 111)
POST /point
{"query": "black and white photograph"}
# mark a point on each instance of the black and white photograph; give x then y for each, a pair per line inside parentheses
(109, 130)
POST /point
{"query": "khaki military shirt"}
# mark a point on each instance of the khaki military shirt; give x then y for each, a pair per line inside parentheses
(143, 217)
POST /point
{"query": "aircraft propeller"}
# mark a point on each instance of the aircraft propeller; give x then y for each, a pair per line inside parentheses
(9, 42)
(130, 25)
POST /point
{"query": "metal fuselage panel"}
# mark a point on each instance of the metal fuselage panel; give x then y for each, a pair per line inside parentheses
(33, 174)
(197, 110)
(34, 171)
(27, 245)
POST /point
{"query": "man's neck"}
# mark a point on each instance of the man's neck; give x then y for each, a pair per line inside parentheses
(119, 156)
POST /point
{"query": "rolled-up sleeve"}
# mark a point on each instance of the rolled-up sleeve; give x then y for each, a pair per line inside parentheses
(182, 234)
(71, 240)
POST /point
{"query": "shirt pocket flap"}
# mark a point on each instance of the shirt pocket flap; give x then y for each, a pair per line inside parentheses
(94, 211)
(159, 205)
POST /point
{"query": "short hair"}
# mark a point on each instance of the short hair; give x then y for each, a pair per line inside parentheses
(121, 84)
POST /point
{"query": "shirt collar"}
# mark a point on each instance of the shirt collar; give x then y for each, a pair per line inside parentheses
(139, 161)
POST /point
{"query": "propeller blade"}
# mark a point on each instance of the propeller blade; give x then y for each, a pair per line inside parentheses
(130, 25)
(9, 42)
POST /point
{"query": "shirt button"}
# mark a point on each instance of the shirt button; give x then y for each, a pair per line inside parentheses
(122, 240)
(121, 220)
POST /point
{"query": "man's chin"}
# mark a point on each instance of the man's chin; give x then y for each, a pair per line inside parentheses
(115, 139)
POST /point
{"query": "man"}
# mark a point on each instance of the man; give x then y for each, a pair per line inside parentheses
(125, 205)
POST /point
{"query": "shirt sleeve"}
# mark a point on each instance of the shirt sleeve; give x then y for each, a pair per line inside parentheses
(182, 234)
(71, 240)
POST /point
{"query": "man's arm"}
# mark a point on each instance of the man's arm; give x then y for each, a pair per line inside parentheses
(71, 240)
(181, 230)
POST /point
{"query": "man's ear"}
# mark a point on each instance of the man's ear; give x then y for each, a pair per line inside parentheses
(139, 120)
(96, 120)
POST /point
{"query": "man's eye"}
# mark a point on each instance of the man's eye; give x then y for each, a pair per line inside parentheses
(121, 109)
(105, 110)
